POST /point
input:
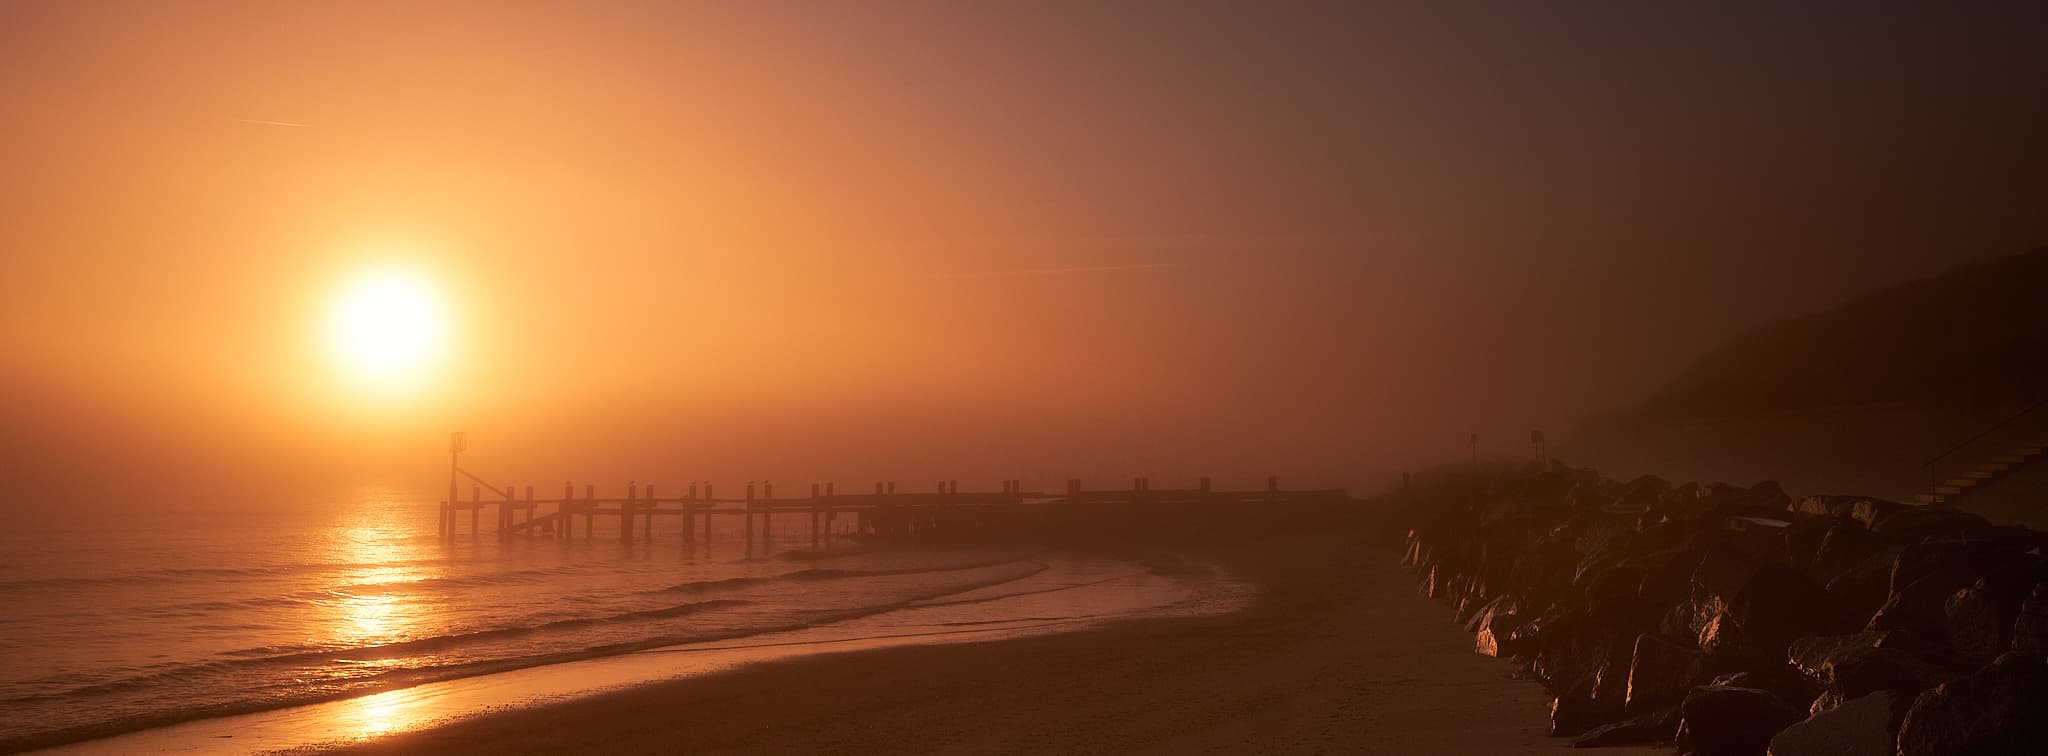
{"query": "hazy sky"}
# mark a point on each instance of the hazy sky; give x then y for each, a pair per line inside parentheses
(851, 241)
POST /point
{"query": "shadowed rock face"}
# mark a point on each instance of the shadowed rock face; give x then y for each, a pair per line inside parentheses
(1856, 728)
(1650, 609)
(2000, 710)
(1719, 720)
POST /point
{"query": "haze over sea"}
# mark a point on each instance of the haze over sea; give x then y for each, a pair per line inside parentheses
(123, 621)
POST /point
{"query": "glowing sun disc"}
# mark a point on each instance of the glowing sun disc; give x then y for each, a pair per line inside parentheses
(387, 328)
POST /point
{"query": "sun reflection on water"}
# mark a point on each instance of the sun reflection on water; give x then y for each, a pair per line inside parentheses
(373, 603)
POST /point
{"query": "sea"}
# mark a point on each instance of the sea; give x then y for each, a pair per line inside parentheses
(191, 628)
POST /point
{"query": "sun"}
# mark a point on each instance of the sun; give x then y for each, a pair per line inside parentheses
(387, 328)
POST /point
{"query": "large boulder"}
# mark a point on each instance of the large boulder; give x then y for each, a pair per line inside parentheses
(1861, 589)
(1927, 575)
(1587, 652)
(1572, 716)
(1981, 617)
(1660, 673)
(1649, 727)
(1997, 712)
(1842, 547)
(1856, 728)
(1847, 667)
(1767, 495)
(1779, 604)
(1919, 524)
(2030, 629)
(1718, 720)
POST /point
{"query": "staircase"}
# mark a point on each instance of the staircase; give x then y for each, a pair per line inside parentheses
(1984, 473)
(2005, 448)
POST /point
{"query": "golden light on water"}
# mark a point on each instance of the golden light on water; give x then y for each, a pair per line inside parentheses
(387, 329)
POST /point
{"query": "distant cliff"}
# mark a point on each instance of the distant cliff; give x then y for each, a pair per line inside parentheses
(1850, 399)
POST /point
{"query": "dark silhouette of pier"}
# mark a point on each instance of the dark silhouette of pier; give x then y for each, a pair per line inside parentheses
(883, 513)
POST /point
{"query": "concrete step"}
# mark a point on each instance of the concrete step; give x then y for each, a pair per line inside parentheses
(2010, 459)
(1929, 498)
(1964, 483)
(1981, 474)
(2025, 451)
(1948, 490)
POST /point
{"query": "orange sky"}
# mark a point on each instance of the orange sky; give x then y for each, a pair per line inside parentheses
(805, 242)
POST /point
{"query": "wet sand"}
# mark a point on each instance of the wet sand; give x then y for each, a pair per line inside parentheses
(1338, 655)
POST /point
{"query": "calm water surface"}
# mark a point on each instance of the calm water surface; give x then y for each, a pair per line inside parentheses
(122, 622)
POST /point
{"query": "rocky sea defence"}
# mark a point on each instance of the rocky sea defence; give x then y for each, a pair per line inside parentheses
(1740, 621)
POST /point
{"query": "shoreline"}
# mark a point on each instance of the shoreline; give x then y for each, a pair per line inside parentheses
(1337, 651)
(1137, 587)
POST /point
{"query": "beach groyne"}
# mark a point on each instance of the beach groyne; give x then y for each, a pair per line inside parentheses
(1733, 620)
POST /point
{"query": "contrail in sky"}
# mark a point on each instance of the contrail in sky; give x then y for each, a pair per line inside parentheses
(1077, 270)
(261, 122)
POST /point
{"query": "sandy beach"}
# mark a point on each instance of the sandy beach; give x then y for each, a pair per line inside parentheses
(1339, 655)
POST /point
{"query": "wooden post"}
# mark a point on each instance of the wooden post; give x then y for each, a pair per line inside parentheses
(565, 511)
(1204, 486)
(647, 516)
(626, 513)
(690, 515)
(589, 510)
(1272, 489)
(709, 503)
(530, 506)
(505, 514)
(476, 504)
(767, 512)
(828, 513)
(817, 506)
(749, 532)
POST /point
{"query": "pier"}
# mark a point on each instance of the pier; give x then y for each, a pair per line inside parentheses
(942, 508)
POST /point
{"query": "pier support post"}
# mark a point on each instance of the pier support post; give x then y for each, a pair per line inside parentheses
(828, 513)
(647, 516)
(710, 502)
(564, 511)
(589, 510)
(749, 530)
(690, 515)
(505, 514)
(626, 512)
(1272, 489)
(767, 513)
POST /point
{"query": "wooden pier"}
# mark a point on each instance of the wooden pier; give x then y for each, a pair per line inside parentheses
(884, 513)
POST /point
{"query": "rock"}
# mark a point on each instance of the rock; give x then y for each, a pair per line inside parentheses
(1848, 667)
(1574, 651)
(1729, 721)
(1783, 681)
(1997, 711)
(1767, 495)
(1780, 604)
(1571, 716)
(1981, 616)
(1856, 728)
(1927, 575)
(1918, 524)
(1660, 672)
(1845, 545)
(1862, 589)
(1652, 727)
(1871, 511)
(1803, 540)
(2030, 628)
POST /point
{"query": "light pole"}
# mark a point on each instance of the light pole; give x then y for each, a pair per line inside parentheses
(457, 442)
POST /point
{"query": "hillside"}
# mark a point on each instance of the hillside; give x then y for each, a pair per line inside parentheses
(1852, 399)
